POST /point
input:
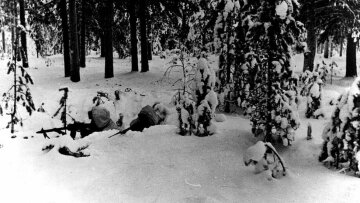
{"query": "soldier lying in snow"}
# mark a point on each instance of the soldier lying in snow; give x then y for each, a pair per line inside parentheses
(100, 121)
(148, 116)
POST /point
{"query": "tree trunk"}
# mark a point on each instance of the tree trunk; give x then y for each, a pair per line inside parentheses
(341, 46)
(326, 51)
(229, 55)
(65, 32)
(149, 48)
(109, 70)
(350, 57)
(143, 35)
(331, 49)
(15, 50)
(134, 51)
(16, 39)
(311, 41)
(184, 26)
(321, 48)
(23, 35)
(331, 46)
(3, 41)
(82, 35)
(13, 35)
(75, 68)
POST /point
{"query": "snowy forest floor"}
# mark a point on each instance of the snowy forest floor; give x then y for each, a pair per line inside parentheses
(156, 165)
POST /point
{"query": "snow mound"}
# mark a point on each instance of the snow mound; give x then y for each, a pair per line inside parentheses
(254, 153)
(220, 118)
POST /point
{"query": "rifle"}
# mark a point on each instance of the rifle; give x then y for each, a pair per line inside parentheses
(58, 130)
(121, 132)
(83, 128)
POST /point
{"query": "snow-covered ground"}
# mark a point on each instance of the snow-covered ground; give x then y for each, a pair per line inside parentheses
(156, 165)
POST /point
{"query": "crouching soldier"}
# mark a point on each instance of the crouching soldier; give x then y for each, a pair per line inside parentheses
(100, 121)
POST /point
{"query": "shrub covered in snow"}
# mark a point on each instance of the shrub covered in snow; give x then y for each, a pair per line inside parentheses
(312, 90)
(341, 135)
(196, 100)
(266, 159)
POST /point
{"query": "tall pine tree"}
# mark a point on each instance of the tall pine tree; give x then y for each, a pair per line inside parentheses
(23, 34)
(75, 68)
(66, 40)
(143, 36)
(133, 35)
(109, 69)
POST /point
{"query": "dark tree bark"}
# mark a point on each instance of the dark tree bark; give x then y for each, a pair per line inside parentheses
(350, 57)
(23, 35)
(321, 50)
(341, 46)
(311, 42)
(326, 51)
(66, 42)
(134, 51)
(12, 32)
(102, 44)
(109, 70)
(3, 42)
(75, 68)
(184, 26)
(82, 35)
(149, 48)
(143, 35)
(331, 48)
(16, 32)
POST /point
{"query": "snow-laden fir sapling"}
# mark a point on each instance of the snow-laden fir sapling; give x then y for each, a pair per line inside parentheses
(312, 90)
(265, 85)
(205, 97)
(341, 135)
(63, 107)
(183, 98)
(195, 100)
(19, 93)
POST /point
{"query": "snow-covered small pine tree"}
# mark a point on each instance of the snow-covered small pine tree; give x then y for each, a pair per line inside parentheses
(183, 99)
(312, 90)
(206, 98)
(19, 93)
(266, 85)
(341, 135)
(196, 100)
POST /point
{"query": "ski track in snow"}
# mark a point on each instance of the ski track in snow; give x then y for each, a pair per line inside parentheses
(157, 165)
